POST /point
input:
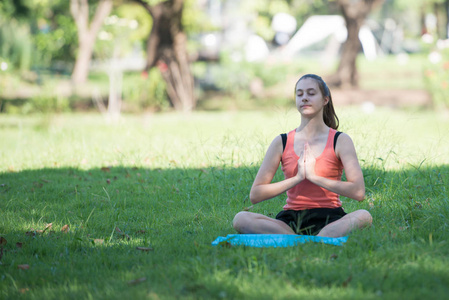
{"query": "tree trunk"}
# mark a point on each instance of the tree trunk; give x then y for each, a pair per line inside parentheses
(447, 18)
(354, 13)
(166, 49)
(437, 9)
(86, 34)
(422, 20)
(347, 69)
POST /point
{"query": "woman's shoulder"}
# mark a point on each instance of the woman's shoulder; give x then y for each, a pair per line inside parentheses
(344, 144)
(344, 136)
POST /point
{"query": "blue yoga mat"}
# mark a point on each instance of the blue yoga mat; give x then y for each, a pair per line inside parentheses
(275, 240)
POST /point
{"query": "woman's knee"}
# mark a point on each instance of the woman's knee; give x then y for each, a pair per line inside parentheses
(364, 218)
(240, 219)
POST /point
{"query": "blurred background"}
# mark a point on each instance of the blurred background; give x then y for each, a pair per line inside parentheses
(140, 56)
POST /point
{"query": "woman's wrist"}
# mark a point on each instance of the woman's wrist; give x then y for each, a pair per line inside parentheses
(299, 179)
(313, 178)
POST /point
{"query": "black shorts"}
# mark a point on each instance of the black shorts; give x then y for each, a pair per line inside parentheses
(310, 221)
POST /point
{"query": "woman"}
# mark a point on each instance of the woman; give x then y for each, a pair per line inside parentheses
(313, 160)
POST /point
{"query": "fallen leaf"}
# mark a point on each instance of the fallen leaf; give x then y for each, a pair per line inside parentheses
(23, 267)
(3, 241)
(24, 290)
(146, 249)
(19, 245)
(49, 225)
(106, 169)
(248, 208)
(137, 281)
(33, 232)
(225, 244)
(38, 184)
(122, 233)
(108, 181)
(347, 281)
(65, 228)
(98, 241)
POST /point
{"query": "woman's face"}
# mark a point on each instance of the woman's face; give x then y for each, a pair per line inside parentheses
(309, 99)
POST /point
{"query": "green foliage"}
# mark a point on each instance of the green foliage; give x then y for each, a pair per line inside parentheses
(46, 102)
(266, 9)
(234, 75)
(416, 4)
(15, 44)
(145, 91)
(45, 30)
(194, 19)
(55, 40)
(133, 11)
(15, 8)
(436, 79)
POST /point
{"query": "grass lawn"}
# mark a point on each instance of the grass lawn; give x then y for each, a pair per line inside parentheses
(143, 200)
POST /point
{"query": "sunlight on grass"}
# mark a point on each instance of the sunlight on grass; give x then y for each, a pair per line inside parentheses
(386, 138)
(392, 72)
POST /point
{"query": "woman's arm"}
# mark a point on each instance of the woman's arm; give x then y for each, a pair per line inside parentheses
(354, 186)
(262, 188)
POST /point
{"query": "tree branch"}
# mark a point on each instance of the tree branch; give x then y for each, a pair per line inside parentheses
(80, 13)
(103, 10)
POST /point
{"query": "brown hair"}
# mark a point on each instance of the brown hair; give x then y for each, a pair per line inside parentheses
(329, 116)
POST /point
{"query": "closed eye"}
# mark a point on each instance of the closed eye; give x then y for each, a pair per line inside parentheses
(310, 92)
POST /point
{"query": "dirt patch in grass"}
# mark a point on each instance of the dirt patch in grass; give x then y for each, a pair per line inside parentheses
(391, 98)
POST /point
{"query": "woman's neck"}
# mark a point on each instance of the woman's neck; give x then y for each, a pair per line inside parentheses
(312, 127)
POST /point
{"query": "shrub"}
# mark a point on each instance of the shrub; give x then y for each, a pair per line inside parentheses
(436, 77)
(145, 90)
(232, 75)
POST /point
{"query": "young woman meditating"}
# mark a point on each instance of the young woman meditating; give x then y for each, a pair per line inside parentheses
(313, 157)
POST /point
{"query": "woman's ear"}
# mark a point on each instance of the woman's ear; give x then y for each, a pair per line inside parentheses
(326, 100)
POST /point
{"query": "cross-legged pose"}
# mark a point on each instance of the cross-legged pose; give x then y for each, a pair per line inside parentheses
(312, 157)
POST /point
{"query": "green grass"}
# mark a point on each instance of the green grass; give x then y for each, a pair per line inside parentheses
(174, 182)
(392, 72)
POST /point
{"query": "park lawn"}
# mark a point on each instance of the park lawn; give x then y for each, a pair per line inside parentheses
(144, 198)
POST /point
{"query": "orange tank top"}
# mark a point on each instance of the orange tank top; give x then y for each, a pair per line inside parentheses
(307, 195)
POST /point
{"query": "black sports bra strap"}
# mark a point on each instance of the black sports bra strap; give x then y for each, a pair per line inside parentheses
(336, 137)
(284, 141)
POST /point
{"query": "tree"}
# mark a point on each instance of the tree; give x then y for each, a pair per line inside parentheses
(446, 3)
(354, 12)
(87, 34)
(167, 49)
